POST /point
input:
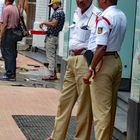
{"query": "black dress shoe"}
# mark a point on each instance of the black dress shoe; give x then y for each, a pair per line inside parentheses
(5, 78)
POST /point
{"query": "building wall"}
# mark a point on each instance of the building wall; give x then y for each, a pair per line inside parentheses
(41, 14)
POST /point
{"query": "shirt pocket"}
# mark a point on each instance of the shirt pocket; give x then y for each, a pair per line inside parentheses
(83, 34)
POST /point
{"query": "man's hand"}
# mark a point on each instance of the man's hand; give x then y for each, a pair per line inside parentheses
(41, 25)
(87, 76)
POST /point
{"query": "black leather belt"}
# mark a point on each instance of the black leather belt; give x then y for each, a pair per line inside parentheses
(110, 53)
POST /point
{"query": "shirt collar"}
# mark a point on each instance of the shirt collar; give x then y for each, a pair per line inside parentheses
(96, 11)
(109, 8)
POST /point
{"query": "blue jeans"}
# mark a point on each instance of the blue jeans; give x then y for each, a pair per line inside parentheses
(9, 53)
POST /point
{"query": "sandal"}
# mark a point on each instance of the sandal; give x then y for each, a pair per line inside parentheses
(51, 77)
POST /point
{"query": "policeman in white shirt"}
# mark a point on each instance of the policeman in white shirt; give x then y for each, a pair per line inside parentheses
(106, 68)
(74, 88)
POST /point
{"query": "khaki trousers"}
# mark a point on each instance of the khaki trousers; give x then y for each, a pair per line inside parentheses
(74, 90)
(51, 48)
(104, 90)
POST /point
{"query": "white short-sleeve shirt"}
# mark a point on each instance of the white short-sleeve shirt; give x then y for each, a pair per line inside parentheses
(81, 27)
(111, 35)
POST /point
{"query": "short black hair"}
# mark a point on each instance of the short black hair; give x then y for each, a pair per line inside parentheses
(11, 1)
(113, 2)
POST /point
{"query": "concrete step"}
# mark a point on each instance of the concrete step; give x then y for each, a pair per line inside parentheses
(42, 50)
(120, 128)
(123, 100)
(34, 55)
(39, 54)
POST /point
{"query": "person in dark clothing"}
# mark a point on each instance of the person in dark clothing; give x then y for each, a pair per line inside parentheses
(10, 18)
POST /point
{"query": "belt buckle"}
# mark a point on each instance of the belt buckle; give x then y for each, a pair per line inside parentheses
(77, 52)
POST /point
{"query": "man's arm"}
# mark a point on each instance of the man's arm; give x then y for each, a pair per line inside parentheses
(5, 22)
(2, 29)
(53, 23)
(98, 55)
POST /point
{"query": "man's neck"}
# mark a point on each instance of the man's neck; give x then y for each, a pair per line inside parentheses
(84, 10)
(56, 8)
(8, 3)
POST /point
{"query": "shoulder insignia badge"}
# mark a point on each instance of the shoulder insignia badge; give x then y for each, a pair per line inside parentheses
(100, 30)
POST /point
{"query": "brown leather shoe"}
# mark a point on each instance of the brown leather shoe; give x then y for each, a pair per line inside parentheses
(49, 138)
(49, 78)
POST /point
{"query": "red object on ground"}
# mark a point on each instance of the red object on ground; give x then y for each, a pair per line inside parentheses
(38, 32)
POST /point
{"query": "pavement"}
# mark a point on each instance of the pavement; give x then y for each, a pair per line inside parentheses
(29, 95)
(30, 73)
